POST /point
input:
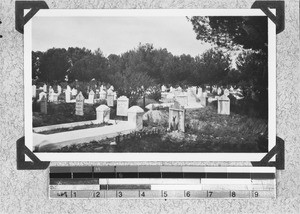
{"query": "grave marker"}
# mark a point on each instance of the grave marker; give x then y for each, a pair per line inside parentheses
(59, 89)
(219, 91)
(103, 113)
(224, 105)
(91, 96)
(110, 98)
(122, 106)
(182, 99)
(41, 95)
(43, 105)
(135, 115)
(226, 92)
(176, 117)
(79, 104)
(102, 95)
(68, 95)
(45, 88)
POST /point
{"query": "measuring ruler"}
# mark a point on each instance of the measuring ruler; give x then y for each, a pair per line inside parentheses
(162, 182)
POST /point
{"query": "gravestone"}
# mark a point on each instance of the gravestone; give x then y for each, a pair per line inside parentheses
(182, 99)
(97, 95)
(191, 96)
(163, 88)
(176, 117)
(102, 95)
(122, 106)
(51, 94)
(59, 89)
(103, 113)
(68, 95)
(110, 98)
(43, 105)
(68, 88)
(91, 96)
(171, 89)
(33, 91)
(224, 105)
(135, 115)
(79, 104)
(45, 88)
(219, 91)
(55, 98)
(74, 92)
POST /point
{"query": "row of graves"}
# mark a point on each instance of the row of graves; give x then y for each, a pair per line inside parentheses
(70, 94)
(194, 97)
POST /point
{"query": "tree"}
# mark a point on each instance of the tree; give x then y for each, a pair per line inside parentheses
(54, 65)
(250, 32)
(211, 67)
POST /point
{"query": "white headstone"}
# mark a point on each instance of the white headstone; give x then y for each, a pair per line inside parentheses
(102, 95)
(59, 89)
(51, 94)
(68, 95)
(224, 105)
(91, 96)
(74, 92)
(219, 91)
(110, 98)
(34, 91)
(45, 88)
(135, 115)
(68, 88)
(199, 94)
(79, 104)
(103, 113)
(55, 97)
(122, 106)
(163, 88)
(176, 117)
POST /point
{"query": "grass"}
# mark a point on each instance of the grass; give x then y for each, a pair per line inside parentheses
(206, 131)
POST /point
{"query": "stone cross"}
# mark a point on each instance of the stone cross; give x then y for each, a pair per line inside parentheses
(122, 106)
(79, 104)
(176, 117)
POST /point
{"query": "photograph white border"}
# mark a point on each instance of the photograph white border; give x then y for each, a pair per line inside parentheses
(149, 156)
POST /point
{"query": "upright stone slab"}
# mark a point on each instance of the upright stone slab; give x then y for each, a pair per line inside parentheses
(163, 88)
(182, 99)
(51, 95)
(43, 105)
(79, 104)
(102, 95)
(68, 95)
(55, 97)
(135, 115)
(91, 96)
(224, 105)
(110, 98)
(203, 100)
(45, 88)
(68, 88)
(199, 93)
(33, 91)
(219, 91)
(176, 117)
(58, 89)
(103, 113)
(122, 106)
(74, 92)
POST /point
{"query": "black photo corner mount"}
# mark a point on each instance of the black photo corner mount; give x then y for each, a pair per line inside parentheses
(279, 18)
(20, 19)
(277, 150)
(35, 164)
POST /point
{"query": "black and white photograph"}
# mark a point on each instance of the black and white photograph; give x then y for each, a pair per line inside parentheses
(150, 84)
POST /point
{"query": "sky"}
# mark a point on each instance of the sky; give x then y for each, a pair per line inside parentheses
(116, 35)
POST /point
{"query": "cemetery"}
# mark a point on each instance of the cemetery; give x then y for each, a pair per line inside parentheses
(154, 99)
(183, 120)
